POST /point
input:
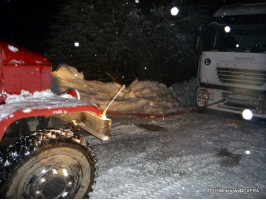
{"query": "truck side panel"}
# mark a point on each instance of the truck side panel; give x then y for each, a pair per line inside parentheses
(88, 116)
(26, 77)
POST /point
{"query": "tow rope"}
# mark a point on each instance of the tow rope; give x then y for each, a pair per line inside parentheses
(198, 109)
(105, 111)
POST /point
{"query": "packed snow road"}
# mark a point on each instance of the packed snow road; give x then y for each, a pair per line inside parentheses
(188, 156)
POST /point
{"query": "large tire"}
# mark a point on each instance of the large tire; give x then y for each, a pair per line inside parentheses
(49, 164)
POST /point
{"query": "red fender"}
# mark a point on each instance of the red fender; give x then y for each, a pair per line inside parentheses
(45, 109)
(73, 92)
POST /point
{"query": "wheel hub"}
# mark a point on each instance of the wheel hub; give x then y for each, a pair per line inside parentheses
(57, 167)
(54, 188)
(52, 182)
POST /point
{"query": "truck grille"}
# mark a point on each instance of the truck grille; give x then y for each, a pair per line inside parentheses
(242, 76)
(241, 101)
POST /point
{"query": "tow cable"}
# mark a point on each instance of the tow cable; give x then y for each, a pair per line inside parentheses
(105, 111)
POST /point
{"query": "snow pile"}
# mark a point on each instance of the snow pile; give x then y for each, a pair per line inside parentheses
(138, 97)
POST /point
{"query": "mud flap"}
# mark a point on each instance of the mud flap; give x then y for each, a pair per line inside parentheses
(92, 123)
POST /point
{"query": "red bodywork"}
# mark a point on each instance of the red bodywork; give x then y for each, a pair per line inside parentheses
(5, 123)
(21, 69)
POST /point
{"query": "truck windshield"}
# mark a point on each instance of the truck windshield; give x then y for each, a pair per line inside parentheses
(236, 34)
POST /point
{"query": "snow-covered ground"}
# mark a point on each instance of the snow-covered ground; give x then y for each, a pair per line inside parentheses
(138, 97)
(182, 156)
(188, 156)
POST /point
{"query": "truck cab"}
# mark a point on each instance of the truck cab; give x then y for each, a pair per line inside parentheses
(232, 67)
(43, 151)
(21, 69)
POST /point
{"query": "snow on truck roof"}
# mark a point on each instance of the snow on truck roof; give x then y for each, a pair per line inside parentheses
(12, 54)
(26, 102)
(241, 9)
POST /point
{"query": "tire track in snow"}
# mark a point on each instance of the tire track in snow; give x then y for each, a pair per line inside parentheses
(136, 163)
(157, 186)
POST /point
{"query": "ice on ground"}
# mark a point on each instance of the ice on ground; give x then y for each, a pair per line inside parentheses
(138, 97)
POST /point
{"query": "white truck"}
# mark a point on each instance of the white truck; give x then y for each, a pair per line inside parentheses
(232, 67)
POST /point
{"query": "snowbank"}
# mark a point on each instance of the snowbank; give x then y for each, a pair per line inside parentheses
(138, 97)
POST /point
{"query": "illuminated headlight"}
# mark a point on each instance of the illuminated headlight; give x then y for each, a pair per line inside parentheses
(247, 114)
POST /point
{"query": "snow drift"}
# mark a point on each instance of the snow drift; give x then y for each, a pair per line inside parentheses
(138, 97)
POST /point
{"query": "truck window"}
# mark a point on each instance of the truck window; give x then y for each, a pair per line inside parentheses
(240, 36)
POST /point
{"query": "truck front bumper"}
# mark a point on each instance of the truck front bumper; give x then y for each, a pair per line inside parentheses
(98, 126)
(233, 102)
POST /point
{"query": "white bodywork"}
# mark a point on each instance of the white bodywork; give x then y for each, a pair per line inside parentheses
(248, 66)
(238, 79)
(241, 9)
(246, 87)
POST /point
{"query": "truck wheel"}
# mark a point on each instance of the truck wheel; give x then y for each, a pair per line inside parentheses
(49, 164)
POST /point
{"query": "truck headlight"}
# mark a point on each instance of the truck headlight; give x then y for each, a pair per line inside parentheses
(247, 114)
(204, 95)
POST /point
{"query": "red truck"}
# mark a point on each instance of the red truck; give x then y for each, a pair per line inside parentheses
(43, 153)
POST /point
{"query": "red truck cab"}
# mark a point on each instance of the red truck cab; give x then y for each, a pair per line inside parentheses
(41, 133)
(21, 69)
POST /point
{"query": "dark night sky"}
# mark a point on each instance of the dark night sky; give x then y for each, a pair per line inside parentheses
(23, 20)
(26, 21)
